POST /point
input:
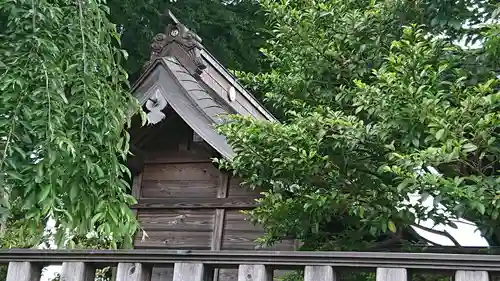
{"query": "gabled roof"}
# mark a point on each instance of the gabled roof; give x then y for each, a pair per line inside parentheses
(184, 75)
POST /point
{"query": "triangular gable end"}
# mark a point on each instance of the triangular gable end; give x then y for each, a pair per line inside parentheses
(186, 77)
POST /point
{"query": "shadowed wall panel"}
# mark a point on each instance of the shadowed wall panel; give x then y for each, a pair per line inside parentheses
(240, 234)
(178, 188)
(196, 172)
(177, 220)
(175, 240)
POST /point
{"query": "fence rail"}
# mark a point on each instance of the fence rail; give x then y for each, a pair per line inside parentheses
(136, 265)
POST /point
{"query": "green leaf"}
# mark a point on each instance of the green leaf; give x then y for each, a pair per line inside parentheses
(480, 208)
(15, 175)
(496, 13)
(392, 226)
(95, 218)
(415, 142)
(469, 147)
(30, 201)
(439, 134)
(44, 193)
(390, 146)
(112, 213)
(73, 193)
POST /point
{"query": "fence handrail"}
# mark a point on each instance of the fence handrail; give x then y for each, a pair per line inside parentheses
(270, 258)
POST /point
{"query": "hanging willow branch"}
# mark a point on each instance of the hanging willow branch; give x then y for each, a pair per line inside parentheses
(64, 108)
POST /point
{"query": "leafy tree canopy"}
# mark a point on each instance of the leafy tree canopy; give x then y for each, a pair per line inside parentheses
(371, 94)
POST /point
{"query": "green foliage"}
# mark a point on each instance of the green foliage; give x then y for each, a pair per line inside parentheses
(64, 107)
(367, 105)
(19, 235)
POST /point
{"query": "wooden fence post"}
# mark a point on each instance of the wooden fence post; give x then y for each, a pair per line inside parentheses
(77, 271)
(254, 272)
(188, 271)
(320, 273)
(133, 272)
(23, 271)
(463, 275)
(392, 274)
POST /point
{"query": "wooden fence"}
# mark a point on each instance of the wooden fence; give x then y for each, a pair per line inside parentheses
(136, 265)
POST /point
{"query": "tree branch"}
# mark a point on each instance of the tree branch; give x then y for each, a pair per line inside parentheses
(420, 237)
(443, 233)
(388, 242)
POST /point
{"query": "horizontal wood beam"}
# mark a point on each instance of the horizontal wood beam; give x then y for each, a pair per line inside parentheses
(195, 203)
(282, 259)
(196, 271)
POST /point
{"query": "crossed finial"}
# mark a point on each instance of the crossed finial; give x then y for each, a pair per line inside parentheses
(179, 42)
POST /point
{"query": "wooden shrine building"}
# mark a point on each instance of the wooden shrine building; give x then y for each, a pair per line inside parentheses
(184, 201)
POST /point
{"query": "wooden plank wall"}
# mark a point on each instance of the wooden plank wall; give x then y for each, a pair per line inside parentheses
(172, 226)
(185, 202)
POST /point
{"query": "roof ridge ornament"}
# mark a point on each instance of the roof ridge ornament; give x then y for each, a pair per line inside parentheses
(179, 42)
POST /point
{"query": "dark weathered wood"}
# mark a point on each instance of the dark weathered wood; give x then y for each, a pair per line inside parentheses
(392, 274)
(195, 154)
(471, 276)
(320, 273)
(231, 274)
(175, 240)
(254, 272)
(176, 220)
(114, 270)
(23, 271)
(219, 214)
(185, 171)
(240, 240)
(246, 240)
(179, 158)
(178, 188)
(297, 244)
(237, 190)
(362, 260)
(188, 271)
(162, 274)
(228, 274)
(217, 231)
(133, 272)
(195, 203)
(77, 271)
(136, 192)
(136, 188)
(244, 102)
(219, 219)
(237, 221)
